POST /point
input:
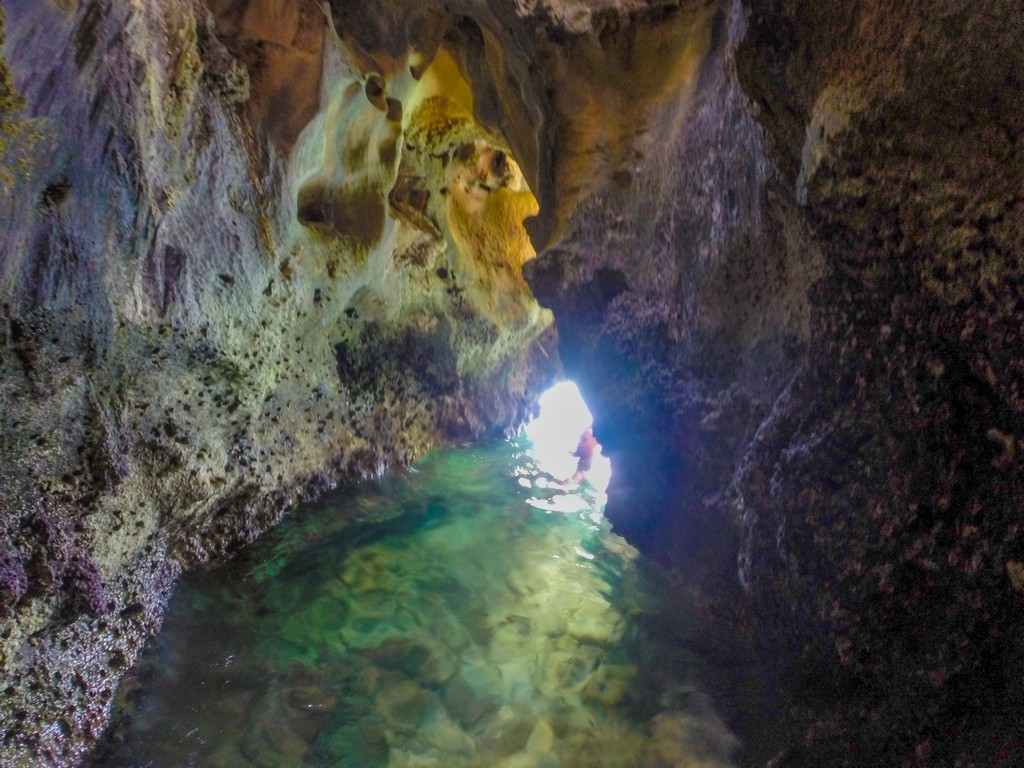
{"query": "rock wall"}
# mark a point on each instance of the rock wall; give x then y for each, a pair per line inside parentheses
(186, 349)
(807, 331)
(881, 502)
(681, 297)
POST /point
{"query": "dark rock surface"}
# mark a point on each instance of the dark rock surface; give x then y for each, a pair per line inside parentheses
(842, 407)
(252, 247)
(881, 503)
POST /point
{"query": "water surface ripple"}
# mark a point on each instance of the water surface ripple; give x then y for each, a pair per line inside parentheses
(462, 613)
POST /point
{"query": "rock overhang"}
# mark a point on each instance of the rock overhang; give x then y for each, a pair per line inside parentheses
(574, 91)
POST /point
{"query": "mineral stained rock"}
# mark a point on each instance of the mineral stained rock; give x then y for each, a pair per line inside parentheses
(251, 246)
(225, 286)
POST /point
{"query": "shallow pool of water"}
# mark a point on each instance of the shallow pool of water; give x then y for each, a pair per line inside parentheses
(462, 613)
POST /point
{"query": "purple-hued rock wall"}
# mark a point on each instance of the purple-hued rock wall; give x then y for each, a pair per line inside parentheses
(820, 394)
(182, 358)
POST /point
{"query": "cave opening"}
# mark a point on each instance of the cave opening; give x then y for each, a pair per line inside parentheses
(333, 230)
(562, 437)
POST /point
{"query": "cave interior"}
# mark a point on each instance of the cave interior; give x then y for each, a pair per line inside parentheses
(255, 249)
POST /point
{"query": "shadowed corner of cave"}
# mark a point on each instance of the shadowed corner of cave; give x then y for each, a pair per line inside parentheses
(652, 471)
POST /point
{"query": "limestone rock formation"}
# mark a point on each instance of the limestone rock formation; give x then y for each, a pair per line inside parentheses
(251, 246)
(217, 300)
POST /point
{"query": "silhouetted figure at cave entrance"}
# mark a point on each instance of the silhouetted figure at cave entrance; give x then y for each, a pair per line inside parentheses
(587, 449)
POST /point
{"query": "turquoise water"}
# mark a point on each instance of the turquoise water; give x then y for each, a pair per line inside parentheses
(462, 613)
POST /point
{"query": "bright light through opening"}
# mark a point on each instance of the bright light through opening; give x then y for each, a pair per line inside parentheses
(559, 445)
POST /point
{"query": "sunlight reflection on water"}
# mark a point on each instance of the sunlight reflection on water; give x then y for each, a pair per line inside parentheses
(432, 618)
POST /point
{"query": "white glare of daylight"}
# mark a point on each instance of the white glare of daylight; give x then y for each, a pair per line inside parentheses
(600, 472)
(566, 503)
(556, 432)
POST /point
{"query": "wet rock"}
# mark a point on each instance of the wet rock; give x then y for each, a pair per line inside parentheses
(537, 751)
(287, 717)
(442, 736)
(466, 703)
(85, 586)
(314, 698)
(364, 743)
(428, 662)
(506, 731)
(681, 740)
(608, 684)
(403, 704)
(570, 663)
(13, 579)
(1015, 571)
(595, 621)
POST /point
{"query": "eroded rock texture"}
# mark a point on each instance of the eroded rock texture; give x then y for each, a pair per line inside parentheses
(218, 297)
(823, 337)
(882, 499)
(254, 245)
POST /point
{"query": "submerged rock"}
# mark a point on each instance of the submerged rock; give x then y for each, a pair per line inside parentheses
(514, 696)
(506, 731)
(427, 661)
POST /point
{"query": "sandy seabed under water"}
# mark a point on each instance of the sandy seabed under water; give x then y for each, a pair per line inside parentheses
(465, 613)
